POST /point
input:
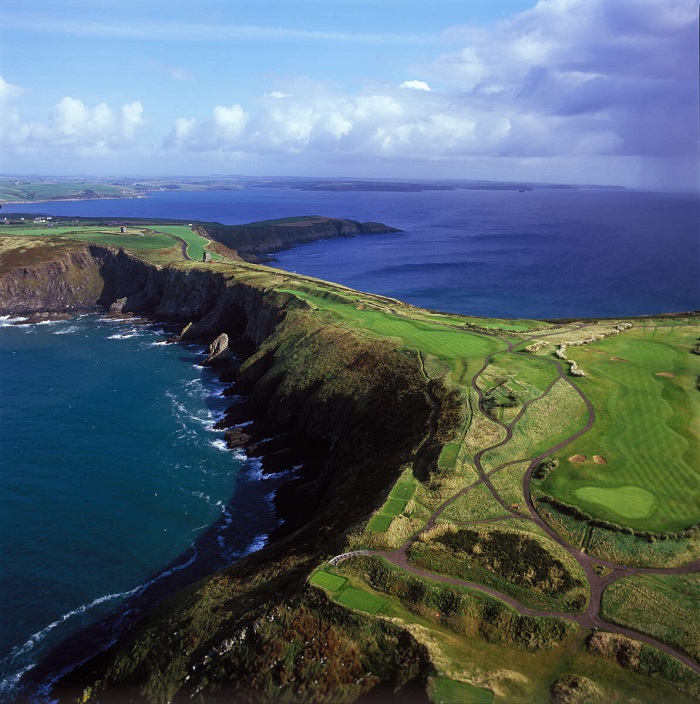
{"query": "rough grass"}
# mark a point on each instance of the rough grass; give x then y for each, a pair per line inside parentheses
(508, 482)
(532, 569)
(474, 505)
(666, 607)
(544, 423)
(631, 550)
(646, 427)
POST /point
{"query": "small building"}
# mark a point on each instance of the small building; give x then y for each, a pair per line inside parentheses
(122, 229)
(206, 257)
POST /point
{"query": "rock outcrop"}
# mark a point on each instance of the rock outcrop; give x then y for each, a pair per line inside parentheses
(219, 352)
(255, 240)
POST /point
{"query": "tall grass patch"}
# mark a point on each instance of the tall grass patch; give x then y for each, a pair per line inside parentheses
(534, 570)
(666, 607)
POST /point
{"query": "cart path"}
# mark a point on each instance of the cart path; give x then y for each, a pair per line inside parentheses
(590, 618)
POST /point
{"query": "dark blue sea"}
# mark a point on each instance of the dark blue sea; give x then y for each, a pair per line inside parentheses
(115, 486)
(114, 483)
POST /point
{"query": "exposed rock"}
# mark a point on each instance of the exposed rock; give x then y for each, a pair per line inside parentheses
(118, 305)
(237, 437)
(219, 352)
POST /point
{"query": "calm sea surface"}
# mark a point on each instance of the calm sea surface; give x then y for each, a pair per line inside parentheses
(114, 482)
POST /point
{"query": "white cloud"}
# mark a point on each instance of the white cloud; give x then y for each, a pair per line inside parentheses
(578, 84)
(8, 91)
(221, 132)
(72, 128)
(415, 85)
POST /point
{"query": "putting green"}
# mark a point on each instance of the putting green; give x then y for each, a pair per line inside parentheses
(626, 501)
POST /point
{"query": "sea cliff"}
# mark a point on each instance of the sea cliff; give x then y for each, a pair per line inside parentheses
(365, 399)
(256, 240)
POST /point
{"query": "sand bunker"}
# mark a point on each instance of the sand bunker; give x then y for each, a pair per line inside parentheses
(618, 359)
(667, 374)
(599, 459)
(578, 458)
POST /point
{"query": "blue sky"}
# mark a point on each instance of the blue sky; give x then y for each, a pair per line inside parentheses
(585, 91)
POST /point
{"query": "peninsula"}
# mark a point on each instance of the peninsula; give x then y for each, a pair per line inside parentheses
(505, 511)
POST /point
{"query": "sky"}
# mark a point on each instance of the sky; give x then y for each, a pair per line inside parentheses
(559, 91)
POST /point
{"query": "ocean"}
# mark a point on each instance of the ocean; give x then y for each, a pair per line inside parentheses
(549, 253)
(115, 485)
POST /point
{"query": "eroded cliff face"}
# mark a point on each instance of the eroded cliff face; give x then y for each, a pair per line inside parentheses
(365, 399)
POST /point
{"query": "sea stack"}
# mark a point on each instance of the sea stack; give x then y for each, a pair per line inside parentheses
(218, 351)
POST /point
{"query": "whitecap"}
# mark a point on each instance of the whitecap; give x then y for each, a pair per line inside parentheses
(258, 543)
(35, 639)
(67, 331)
(219, 445)
(122, 336)
(7, 321)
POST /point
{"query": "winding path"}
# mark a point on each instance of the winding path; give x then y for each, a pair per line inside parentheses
(590, 618)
